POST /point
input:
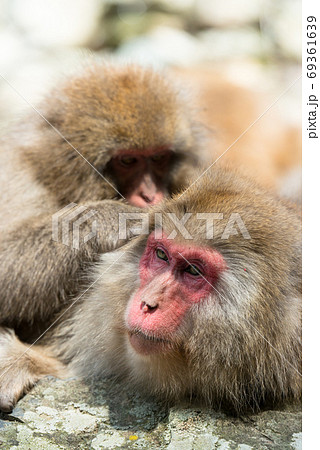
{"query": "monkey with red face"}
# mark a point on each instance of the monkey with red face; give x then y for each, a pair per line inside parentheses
(109, 139)
(184, 277)
(207, 305)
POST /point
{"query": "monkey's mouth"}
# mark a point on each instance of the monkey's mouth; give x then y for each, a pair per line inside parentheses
(148, 345)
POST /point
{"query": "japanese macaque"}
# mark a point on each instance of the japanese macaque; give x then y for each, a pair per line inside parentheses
(206, 305)
(106, 134)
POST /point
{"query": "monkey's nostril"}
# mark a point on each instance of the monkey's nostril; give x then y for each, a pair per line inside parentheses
(152, 308)
(148, 308)
(148, 198)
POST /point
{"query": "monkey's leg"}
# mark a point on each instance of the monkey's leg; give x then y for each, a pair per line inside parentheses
(21, 368)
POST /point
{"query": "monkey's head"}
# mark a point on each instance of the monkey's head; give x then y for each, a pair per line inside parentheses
(128, 123)
(208, 304)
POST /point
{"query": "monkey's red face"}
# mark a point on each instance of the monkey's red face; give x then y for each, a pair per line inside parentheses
(173, 277)
(141, 176)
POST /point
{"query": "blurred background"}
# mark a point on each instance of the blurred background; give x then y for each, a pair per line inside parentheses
(236, 56)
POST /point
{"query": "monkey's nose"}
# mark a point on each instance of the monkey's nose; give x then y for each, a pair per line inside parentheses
(146, 308)
(148, 197)
(152, 198)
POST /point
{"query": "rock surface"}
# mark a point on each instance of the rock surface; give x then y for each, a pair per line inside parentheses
(70, 414)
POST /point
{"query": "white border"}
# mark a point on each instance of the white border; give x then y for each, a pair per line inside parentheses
(311, 247)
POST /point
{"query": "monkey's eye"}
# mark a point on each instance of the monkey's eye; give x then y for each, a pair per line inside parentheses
(128, 160)
(157, 158)
(193, 270)
(161, 254)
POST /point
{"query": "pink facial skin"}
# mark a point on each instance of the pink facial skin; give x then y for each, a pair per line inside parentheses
(140, 175)
(167, 291)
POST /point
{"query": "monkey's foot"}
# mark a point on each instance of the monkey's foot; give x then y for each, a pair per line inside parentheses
(21, 367)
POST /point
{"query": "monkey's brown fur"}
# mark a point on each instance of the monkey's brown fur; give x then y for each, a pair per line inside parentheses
(240, 347)
(99, 111)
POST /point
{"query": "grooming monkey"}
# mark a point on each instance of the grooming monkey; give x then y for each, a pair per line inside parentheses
(210, 310)
(119, 133)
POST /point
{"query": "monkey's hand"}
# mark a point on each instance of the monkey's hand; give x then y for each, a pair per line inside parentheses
(111, 224)
(42, 262)
(21, 366)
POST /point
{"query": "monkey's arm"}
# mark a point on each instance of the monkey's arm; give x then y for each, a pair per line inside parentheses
(39, 274)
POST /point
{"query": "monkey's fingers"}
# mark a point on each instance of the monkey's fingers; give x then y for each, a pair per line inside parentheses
(10, 393)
